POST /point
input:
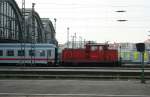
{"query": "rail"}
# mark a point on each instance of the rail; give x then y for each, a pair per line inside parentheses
(72, 74)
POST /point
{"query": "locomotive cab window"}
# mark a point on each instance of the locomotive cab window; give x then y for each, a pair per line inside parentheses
(100, 48)
(93, 48)
(1, 52)
(10, 53)
(21, 53)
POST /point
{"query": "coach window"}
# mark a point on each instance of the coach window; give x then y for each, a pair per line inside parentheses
(1, 52)
(21, 53)
(42, 53)
(10, 53)
(31, 52)
(49, 52)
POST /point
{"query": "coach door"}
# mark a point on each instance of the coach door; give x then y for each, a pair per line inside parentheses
(49, 56)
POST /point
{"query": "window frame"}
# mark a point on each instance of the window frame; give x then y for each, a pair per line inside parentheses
(1, 52)
(10, 53)
(21, 54)
(49, 53)
(42, 53)
(32, 53)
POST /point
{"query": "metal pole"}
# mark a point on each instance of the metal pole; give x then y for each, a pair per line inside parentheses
(67, 37)
(80, 42)
(33, 36)
(75, 36)
(142, 66)
(23, 29)
(120, 56)
(72, 42)
(84, 42)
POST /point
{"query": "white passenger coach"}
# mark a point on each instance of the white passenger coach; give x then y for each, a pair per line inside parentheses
(17, 53)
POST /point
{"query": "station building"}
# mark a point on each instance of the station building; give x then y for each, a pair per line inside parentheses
(50, 34)
(37, 30)
(10, 22)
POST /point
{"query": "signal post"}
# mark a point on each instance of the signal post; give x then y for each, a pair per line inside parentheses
(141, 48)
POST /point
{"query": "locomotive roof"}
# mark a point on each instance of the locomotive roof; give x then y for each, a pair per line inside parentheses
(97, 44)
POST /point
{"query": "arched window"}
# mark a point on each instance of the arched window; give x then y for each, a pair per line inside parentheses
(37, 33)
(9, 26)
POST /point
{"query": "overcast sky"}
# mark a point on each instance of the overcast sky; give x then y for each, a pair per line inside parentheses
(97, 19)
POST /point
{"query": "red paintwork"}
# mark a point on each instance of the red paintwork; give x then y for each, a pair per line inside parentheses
(101, 54)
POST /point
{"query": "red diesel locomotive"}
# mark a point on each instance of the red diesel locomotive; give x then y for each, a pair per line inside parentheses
(91, 55)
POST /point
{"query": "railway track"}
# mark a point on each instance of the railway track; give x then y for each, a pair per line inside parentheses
(124, 66)
(71, 68)
(53, 73)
